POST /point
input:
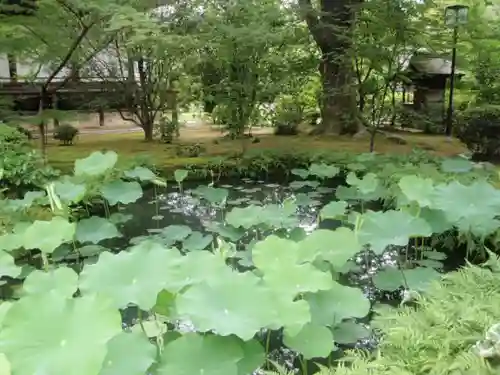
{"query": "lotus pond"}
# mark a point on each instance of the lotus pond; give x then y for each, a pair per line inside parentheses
(228, 278)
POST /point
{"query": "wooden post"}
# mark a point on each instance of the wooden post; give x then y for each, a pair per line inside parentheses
(55, 120)
(100, 111)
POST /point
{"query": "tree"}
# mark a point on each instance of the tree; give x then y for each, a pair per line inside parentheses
(331, 27)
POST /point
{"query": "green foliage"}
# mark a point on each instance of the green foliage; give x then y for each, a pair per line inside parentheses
(21, 167)
(479, 130)
(288, 116)
(441, 332)
(290, 283)
(66, 134)
(409, 118)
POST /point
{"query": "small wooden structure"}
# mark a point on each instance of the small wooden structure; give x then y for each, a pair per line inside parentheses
(427, 74)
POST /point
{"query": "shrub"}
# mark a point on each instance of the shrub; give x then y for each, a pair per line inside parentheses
(428, 123)
(12, 135)
(441, 332)
(479, 129)
(289, 115)
(65, 133)
(22, 167)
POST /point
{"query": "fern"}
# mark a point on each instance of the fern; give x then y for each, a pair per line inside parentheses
(437, 337)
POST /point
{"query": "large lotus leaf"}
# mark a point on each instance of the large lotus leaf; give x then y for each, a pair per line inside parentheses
(69, 191)
(197, 241)
(213, 195)
(336, 247)
(121, 192)
(291, 280)
(137, 276)
(246, 217)
(128, 354)
(97, 163)
(5, 367)
(333, 210)
(297, 185)
(456, 165)
(8, 266)
(227, 310)
(329, 307)
(95, 229)
(48, 235)
(253, 357)
(193, 268)
(459, 201)
(312, 341)
(62, 281)
(381, 229)
(323, 170)
(350, 332)
(366, 185)
(11, 241)
(417, 189)
(302, 173)
(193, 354)
(141, 173)
(437, 220)
(416, 279)
(174, 233)
(50, 334)
(480, 225)
(273, 252)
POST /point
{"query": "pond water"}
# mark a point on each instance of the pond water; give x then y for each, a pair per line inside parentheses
(184, 207)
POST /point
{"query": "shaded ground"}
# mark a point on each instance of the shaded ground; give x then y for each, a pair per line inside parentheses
(131, 145)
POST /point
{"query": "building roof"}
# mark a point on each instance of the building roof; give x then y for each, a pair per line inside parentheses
(431, 65)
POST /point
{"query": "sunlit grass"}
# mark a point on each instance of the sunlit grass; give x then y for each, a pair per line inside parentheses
(131, 145)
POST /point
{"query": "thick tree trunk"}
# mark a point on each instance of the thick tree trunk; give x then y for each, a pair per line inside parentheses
(148, 132)
(331, 28)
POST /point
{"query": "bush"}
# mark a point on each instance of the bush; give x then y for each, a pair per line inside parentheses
(289, 115)
(22, 167)
(65, 133)
(479, 129)
(12, 135)
(409, 118)
(441, 332)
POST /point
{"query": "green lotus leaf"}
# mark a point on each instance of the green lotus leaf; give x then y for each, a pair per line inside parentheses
(381, 229)
(366, 185)
(333, 210)
(302, 173)
(456, 165)
(291, 280)
(193, 354)
(50, 334)
(236, 310)
(128, 354)
(329, 307)
(174, 233)
(121, 192)
(138, 275)
(180, 175)
(97, 163)
(48, 235)
(69, 191)
(95, 229)
(246, 217)
(213, 195)
(350, 333)
(62, 281)
(417, 189)
(336, 247)
(197, 241)
(8, 266)
(312, 341)
(140, 173)
(323, 171)
(274, 252)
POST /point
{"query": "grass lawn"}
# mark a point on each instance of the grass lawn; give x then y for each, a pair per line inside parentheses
(164, 156)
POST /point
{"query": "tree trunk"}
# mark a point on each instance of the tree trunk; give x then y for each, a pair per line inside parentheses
(148, 132)
(332, 30)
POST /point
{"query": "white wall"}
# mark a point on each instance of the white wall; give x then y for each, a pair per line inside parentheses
(100, 66)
